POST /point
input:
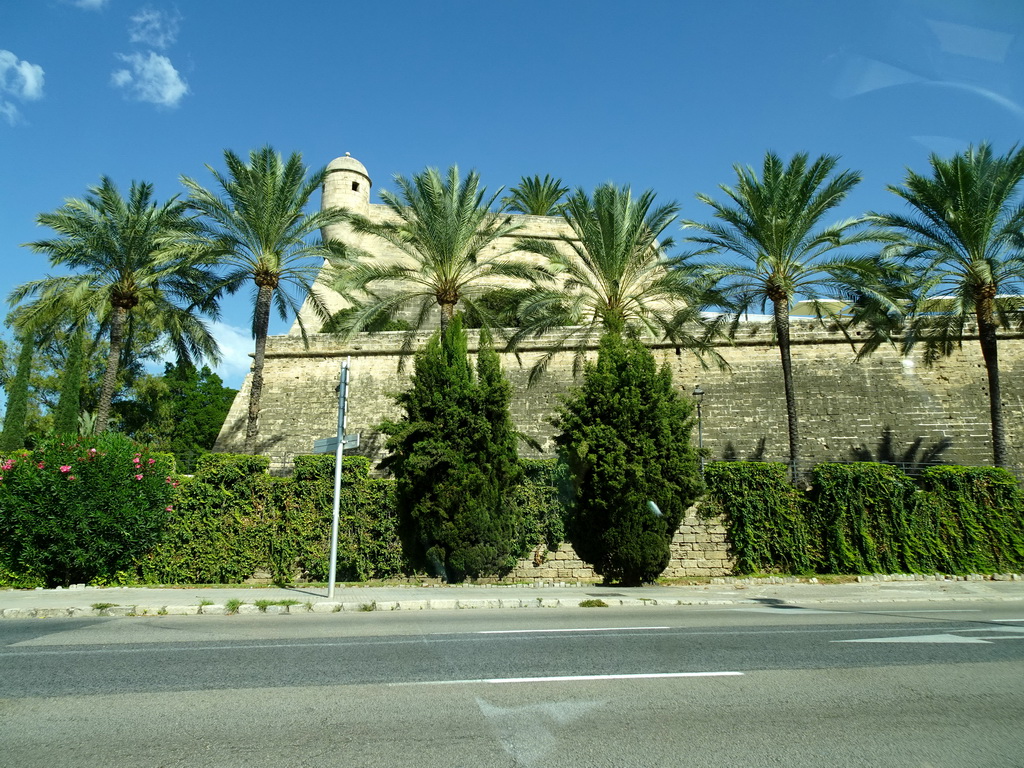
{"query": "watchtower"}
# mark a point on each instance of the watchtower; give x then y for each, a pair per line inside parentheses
(347, 185)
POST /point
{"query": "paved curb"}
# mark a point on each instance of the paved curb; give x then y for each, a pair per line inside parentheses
(328, 607)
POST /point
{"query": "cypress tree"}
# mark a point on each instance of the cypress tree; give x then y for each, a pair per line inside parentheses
(65, 416)
(454, 460)
(13, 436)
(625, 436)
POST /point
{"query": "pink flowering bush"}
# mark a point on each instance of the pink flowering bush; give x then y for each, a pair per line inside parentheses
(78, 511)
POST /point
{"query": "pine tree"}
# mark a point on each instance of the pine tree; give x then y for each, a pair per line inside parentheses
(13, 436)
(625, 436)
(65, 417)
(454, 460)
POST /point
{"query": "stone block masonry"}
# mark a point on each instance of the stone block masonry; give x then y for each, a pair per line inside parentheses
(698, 549)
(883, 408)
(886, 407)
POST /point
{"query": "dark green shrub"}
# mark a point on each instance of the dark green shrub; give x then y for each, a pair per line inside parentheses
(766, 527)
(976, 516)
(82, 510)
(453, 456)
(625, 437)
(12, 437)
(65, 415)
(864, 520)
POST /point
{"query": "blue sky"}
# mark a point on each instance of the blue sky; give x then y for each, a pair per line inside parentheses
(667, 95)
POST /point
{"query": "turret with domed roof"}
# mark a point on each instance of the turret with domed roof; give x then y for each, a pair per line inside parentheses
(347, 185)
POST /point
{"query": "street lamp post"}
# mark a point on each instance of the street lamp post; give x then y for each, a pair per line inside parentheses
(698, 395)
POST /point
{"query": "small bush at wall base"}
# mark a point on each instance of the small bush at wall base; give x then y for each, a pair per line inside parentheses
(540, 503)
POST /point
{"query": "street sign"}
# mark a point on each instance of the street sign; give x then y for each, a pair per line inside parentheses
(330, 444)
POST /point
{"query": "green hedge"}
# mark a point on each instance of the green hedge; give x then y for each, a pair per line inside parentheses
(863, 519)
(870, 518)
(232, 520)
(766, 528)
(541, 502)
(976, 516)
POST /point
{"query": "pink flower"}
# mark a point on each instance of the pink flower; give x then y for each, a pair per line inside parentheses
(169, 479)
(138, 477)
(71, 477)
(168, 509)
(92, 451)
(40, 465)
(152, 461)
(65, 468)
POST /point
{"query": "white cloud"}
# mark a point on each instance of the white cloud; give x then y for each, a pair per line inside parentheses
(9, 112)
(151, 78)
(236, 346)
(89, 5)
(156, 28)
(19, 80)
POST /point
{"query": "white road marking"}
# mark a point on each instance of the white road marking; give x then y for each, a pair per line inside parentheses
(571, 678)
(946, 638)
(577, 629)
(1007, 619)
(779, 609)
(941, 610)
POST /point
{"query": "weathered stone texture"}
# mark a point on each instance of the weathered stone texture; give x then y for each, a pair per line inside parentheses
(883, 407)
(698, 549)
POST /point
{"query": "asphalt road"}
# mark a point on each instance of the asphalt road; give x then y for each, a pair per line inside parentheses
(771, 685)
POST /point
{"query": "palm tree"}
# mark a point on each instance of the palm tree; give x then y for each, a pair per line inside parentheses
(612, 274)
(449, 241)
(962, 240)
(774, 225)
(536, 196)
(255, 223)
(131, 270)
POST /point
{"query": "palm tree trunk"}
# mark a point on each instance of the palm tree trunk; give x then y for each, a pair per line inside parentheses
(990, 353)
(447, 313)
(110, 374)
(261, 322)
(781, 308)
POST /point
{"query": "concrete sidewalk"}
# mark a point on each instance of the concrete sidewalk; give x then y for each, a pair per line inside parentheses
(143, 601)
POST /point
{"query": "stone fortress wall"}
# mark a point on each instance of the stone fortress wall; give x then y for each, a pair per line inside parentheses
(886, 407)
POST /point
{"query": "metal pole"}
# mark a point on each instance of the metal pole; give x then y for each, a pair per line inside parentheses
(698, 396)
(342, 408)
(700, 436)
